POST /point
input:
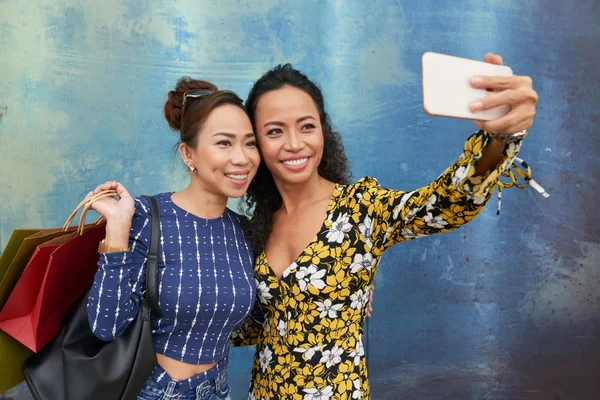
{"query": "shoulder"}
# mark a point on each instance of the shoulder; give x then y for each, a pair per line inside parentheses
(143, 210)
(142, 205)
(366, 183)
(360, 197)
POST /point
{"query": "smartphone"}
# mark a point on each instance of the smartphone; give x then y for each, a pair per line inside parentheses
(447, 89)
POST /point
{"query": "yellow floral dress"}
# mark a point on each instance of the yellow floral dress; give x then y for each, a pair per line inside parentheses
(309, 346)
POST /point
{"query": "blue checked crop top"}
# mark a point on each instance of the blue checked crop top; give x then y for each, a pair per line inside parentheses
(205, 288)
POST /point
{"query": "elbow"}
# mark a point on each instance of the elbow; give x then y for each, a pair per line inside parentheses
(105, 335)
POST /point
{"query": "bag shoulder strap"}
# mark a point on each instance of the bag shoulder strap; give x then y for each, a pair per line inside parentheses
(152, 267)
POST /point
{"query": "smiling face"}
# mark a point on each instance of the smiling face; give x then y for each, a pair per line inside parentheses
(289, 134)
(225, 153)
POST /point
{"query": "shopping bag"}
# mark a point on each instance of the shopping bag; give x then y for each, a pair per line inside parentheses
(57, 274)
(12, 356)
(13, 260)
(12, 247)
(18, 251)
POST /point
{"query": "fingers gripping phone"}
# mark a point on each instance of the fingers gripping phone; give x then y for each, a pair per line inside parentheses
(447, 89)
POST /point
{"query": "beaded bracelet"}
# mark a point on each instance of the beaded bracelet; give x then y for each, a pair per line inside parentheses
(508, 138)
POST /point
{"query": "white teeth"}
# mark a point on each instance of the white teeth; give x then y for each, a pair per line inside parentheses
(237, 177)
(295, 163)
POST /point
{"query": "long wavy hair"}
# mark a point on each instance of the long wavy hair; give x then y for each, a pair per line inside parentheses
(263, 198)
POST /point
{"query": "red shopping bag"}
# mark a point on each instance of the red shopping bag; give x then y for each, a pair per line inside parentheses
(18, 252)
(58, 273)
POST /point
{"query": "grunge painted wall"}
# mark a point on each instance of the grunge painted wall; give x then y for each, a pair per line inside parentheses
(507, 307)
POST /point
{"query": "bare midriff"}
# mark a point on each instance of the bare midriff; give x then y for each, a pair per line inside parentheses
(179, 370)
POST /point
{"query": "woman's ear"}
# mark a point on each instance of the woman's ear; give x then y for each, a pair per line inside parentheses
(187, 154)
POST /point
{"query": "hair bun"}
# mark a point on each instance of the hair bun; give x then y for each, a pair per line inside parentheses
(174, 104)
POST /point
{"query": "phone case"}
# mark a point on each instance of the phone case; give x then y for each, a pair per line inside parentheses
(447, 89)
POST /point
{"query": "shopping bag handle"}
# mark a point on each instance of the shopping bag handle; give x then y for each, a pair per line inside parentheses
(87, 204)
(101, 219)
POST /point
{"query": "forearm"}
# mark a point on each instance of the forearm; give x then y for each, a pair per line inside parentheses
(117, 232)
(113, 300)
(491, 156)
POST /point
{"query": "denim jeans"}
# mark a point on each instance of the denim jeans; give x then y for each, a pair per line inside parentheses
(214, 388)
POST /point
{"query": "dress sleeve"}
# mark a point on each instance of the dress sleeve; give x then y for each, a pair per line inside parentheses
(115, 295)
(387, 217)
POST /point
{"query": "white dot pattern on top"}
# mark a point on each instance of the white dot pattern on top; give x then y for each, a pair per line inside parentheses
(205, 287)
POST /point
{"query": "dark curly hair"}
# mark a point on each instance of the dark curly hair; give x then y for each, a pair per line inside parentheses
(263, 198)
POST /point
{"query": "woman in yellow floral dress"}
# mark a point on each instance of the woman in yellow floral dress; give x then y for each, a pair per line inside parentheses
(318, 239)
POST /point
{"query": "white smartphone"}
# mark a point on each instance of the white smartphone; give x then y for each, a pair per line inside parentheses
(447, 89)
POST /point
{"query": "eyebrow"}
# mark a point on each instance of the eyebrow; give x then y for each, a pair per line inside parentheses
(278, 123)
(233, 135)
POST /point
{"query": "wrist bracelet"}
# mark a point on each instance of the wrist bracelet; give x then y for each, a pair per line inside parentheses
(508, 138)
(104, 248)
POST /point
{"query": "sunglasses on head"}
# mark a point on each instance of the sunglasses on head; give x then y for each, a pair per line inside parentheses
(196, 94)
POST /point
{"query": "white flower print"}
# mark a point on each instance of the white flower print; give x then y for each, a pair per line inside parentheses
(400, 206)
(356, 392)
(332, 357)
(238, 333)
(310, 276)
(366, 227)
(408, 234)
(318, 394)
(365, 297)
(434, 222)
(430, 202)
(339, 228)
(477, 200)
(265, 357)
(282, 328)
(460, 175)
(308, 353)
(290, 269)
(359, 299)
(358, 352)
(356, 299)
(514, 148)
(326, 308)
(362, 261)
(263, 292)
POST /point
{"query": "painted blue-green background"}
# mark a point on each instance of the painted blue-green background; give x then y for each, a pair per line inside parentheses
(506, 308)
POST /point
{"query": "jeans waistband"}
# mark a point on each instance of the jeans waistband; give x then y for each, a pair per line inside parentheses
(218, 372)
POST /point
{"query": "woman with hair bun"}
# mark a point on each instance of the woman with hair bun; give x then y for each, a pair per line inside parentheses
(205, 282)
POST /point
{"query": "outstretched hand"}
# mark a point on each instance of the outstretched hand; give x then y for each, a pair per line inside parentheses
(515, 91)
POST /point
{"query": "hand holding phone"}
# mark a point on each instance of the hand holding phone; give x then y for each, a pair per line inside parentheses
(499, 101)
(447, 88)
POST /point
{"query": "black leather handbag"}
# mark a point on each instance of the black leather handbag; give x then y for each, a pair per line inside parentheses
(76, 365)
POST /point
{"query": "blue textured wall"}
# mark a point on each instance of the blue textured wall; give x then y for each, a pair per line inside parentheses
(506, 308)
